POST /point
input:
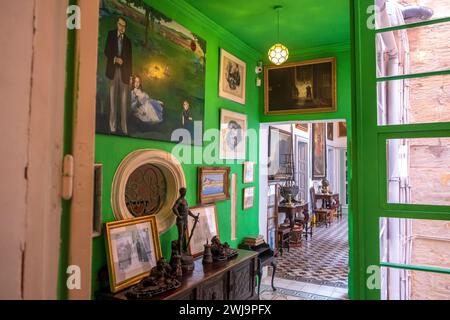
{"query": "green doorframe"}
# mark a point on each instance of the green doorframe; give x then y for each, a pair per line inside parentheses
(369, 156)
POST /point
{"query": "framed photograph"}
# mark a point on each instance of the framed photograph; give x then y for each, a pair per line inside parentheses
(233, 135)
(232, 77)
(161, 84)
(342, 129)
(280, 153)
(248, 198)
(330, 131)
(301, 87)
(133, 248)
(319, 158)
(249, 172)
(213, 184)
(302, 126)
(206, 228)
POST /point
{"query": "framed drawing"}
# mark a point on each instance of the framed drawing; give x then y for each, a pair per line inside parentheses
(330, 131)
(232, 77)
(249, 172)
(161, 84)
(133, 248)
(280, 151)
(233, 135)
(319, 159)
(207, 227)
(342, 129)
(248, 198)
(301, 87)
(213, 184)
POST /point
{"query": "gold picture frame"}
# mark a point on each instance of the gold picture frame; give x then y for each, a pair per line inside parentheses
(213, 184)
(300, 87)
(207, 227)
(132, 248)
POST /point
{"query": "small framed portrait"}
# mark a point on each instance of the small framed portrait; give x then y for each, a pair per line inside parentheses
(319, 146)
(248, 198)
(233, 135)
(232, 77)
(342, 129)
(213, 184)
(330, 131)
(206, 228)
(301, 87)
(133, 248)
(249, 172)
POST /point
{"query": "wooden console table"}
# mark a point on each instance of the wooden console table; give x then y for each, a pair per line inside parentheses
(230, 280)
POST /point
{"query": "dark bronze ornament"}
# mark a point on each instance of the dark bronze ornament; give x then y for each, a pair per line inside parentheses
(145, 191)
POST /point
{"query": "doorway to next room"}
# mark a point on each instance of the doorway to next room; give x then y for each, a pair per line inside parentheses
(304, 209)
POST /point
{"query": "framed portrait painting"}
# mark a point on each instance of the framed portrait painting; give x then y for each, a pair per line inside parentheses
(248, 198)
(213, 184)
(206, 228)
(233, 135)
(150, 74)
(319, 158)
(249, 172)
(232, 77)
(133, 248)
(300, 87)
(330, 131)
(342, 129)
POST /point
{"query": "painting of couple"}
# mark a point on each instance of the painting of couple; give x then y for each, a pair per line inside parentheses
(151, 74)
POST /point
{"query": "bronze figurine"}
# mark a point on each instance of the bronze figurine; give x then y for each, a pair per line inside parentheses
(181, 211)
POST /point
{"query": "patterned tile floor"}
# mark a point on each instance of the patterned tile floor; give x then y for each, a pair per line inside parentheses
(317, 270)
(295, 290)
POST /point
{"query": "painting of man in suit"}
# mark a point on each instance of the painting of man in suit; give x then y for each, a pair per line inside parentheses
(118, 52)
(149, 67)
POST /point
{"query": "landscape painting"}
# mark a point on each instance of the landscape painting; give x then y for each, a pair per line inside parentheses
(213, 184)
(150, 74)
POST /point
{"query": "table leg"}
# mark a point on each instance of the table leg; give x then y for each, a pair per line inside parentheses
(259, 277)
(274, 266)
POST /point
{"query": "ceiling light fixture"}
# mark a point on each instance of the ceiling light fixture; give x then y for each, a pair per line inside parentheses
(278, 53)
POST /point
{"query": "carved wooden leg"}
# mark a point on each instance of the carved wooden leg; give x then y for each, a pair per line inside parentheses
(274, 266)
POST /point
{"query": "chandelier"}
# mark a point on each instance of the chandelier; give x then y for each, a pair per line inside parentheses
(278, 53)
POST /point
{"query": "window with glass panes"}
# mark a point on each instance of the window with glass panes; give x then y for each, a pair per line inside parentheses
(403, 146)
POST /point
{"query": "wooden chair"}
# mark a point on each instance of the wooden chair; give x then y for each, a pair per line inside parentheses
(306, 223)
(322, 215)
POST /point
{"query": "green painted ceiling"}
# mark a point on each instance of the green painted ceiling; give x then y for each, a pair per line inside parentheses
(304, 24)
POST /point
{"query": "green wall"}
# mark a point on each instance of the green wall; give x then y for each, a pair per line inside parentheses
(110, 150)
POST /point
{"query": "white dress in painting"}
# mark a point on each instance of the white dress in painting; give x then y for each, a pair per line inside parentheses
(146, 109)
